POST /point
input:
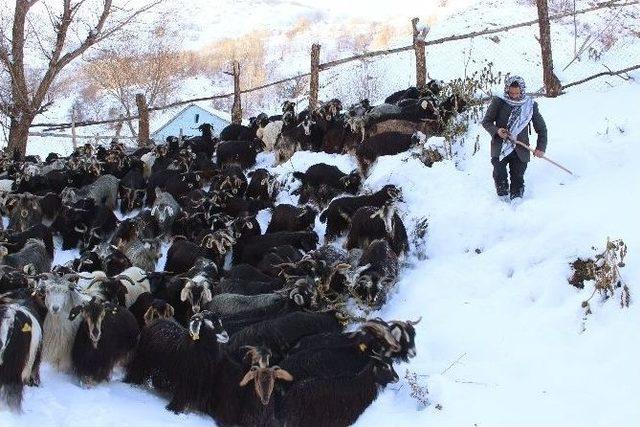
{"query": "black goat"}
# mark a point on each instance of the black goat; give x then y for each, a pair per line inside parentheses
(369, 223)
(377, 272)
(282, 333)
(16, 241)
(106, 337)
(254, 248)
(263, 186)
(335, 401)
(20, 352)
(148, 309)
(291, 218)
(241, 153)
(322, 182)
(339, 212)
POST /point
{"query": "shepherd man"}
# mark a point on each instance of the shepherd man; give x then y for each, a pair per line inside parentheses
(509, 117)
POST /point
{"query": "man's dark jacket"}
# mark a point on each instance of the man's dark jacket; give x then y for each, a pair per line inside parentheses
(497, 116)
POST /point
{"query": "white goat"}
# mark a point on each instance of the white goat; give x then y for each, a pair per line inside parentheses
(270, 134)
(60, 296)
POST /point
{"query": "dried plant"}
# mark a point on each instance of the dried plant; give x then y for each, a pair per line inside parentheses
(604, 269)
(418, 237)
(474, 89)
(418, 392)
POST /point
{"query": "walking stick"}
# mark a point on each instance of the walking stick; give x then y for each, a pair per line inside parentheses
(522, 144)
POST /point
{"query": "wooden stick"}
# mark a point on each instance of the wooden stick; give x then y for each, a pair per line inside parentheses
(543, 157)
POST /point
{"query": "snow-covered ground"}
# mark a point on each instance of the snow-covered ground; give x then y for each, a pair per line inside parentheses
(502, 341)
(506, 314)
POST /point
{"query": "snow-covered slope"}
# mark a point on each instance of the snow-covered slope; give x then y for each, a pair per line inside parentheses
(502, 341)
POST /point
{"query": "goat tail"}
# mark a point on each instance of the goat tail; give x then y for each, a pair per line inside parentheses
(323, 216)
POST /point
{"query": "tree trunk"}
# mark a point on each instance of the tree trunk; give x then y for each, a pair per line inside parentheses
(143, 126)
(19, 135)
(236, 109)
(552, 84)
(315, 71)
(421, 59)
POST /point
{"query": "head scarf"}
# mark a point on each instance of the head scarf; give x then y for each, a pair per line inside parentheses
(521, 113)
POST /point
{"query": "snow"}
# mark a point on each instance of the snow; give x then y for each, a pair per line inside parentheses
(502, 341)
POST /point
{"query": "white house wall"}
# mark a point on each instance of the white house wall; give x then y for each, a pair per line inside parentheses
(186, 121)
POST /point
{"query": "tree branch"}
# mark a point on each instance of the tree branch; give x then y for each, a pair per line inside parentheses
(604, 73)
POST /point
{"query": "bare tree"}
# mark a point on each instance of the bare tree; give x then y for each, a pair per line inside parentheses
(75, 30)
(551, 82)
(148, 65)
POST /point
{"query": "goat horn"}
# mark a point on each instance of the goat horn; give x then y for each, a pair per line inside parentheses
(376, 328)
(414, 322)
(95, 280)
(125, 277)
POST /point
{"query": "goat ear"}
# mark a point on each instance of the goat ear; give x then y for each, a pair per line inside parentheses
(168, 311)
(11, 203)
(283, 375)
(396, 333)
(298, 299)
(74, 312)
(184, 294)
(206, 295)
(249, 376)
(30, 269)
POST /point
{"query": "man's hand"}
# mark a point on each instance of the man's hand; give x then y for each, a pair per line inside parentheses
(538, 153)
(503, 133)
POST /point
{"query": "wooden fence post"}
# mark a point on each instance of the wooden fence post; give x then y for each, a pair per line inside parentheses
(143, 121)
(236, 109)
(419, 49)
(74, 143)
(552, 84)
(315, 76)
(118, 128)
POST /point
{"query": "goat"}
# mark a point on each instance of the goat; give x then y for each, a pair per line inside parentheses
(236, 132)
(241, 153)
(16, 241)
(103, 257)
(123, 289)
(322, 182)
(339, 212)
(291, 218)
(33, 258)
(179, 359)
(24, 211)
(335, 401)
(254, 248)
(104, 192)
(132, 189)
(165, 210)
(282, 333)
(384, 144)
(233, 403)
(263, 186)
(376, 274)
(143, 254)
(148, 309)
(369, 223)
(231, 179)
(60, 295)
(106, 337)
(270, 133)
(182, 253)
(20, 352)
(292, 139)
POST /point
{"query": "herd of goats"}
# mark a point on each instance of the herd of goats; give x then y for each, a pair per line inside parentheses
(243, 324)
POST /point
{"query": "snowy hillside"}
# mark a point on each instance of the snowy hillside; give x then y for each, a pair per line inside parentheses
(503, 339)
